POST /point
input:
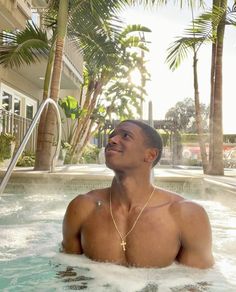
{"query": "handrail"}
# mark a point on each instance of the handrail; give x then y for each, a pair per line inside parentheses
(26, 139)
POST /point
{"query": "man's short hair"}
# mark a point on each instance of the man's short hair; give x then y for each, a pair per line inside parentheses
(154, 139)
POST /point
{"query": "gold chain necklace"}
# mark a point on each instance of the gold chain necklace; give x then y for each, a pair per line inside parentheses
(123, 237)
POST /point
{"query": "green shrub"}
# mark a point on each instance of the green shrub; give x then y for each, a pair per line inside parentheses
(5, 145)
(90, 154)
(27, 159)
(229, 138)
(65, 145)
(193, 138)
(165, 138)
(191, 162)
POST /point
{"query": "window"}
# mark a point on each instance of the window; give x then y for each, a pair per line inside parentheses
(6, 101)
(35, 17)
(29, 111)
(17, 104)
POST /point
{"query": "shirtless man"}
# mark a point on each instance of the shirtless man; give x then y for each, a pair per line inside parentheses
(134, 223)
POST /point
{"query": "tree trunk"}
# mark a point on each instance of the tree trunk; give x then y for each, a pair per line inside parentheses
(84, 123)
(44, 155)
(199, 117)
(40, 136)
(85, 138)
(213, 62)
(216, 165)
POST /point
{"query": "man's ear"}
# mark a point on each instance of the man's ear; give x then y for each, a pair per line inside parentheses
(151, 154)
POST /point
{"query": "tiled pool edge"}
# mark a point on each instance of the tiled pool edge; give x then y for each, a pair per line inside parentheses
(60, 182)
(83, 181)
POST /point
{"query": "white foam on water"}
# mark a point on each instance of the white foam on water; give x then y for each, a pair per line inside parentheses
(30, 228)
(129, 279)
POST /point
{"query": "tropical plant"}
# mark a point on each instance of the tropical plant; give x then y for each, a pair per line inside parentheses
(89, 154)
(227, 17)
(70, 106)
(70, 114)
(27, 159)
(6, 139)
(94, 86)
(47, 123)
(216, 163)
(23, 47)
(65, 145)
(205, 29)
(109, 77)
(123, 97)
(90, 15)
(196, 35)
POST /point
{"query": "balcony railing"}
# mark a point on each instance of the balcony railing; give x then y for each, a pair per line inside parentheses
(17, 126)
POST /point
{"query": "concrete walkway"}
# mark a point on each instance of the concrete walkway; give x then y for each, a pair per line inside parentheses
(100, 170)
(72, 177)
(159, 171)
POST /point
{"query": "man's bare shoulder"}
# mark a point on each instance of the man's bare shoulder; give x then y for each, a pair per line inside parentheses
(171, 197)
(85, 203)
(186, 213)
(180, 206)
(194, 233)
(186, 208)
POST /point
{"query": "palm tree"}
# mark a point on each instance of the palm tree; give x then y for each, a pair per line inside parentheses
(29, 46)
(216, 165)
(48, 120)
(208, 27)
(88, 17)
(227, 17)
(113, 66)
(23, 47)
(216, 161)
(199, 33)
(93, 15)
(101, 12)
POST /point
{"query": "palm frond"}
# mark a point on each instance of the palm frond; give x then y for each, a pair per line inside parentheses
(206, 24)
(133, 41)
(24, 47)
(181, 3)
(178, 52)
(203, 29)
(134, 28)
(231, 16)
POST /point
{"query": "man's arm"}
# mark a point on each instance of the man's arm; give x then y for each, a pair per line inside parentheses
(195, 236)
(73, 219)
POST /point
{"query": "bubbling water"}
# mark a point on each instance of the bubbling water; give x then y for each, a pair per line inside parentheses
(30, 227)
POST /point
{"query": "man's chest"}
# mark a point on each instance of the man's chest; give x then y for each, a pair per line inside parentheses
(154, 240)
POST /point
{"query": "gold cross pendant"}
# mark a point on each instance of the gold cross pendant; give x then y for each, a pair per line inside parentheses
(123, 243)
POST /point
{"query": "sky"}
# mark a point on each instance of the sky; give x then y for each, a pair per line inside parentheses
(166, 87)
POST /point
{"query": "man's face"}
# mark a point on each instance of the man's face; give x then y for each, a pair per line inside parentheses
(126, 147)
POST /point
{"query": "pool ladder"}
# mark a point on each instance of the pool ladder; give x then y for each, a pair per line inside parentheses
(26, 139)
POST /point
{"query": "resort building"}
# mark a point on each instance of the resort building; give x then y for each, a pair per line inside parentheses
(21, 89)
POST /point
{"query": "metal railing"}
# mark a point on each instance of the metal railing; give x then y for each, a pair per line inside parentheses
(18, 126)
(26, 139)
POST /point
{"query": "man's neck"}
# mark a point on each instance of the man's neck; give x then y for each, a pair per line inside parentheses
(131, 190)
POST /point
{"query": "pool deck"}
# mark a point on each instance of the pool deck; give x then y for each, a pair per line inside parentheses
(100, 171)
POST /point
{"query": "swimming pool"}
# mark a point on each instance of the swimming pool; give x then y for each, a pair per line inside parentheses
(30, 228)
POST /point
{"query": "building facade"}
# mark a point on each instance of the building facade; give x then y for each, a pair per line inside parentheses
(21, 89)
